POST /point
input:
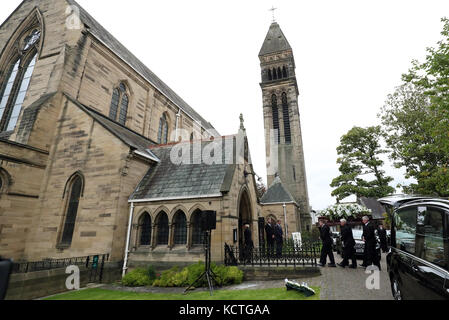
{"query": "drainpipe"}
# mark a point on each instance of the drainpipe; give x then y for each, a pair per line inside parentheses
(128, 239)
(285, 221)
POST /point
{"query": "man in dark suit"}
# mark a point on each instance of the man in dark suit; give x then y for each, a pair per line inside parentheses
(383, 238)
(348, 242)
(269, 230)
(369, 237)
(326, 250)
(249, 244)
(279, 238)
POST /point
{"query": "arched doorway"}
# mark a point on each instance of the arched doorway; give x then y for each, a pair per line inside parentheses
(245, 216)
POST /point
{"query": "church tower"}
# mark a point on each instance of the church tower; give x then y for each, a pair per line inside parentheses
(283, 138)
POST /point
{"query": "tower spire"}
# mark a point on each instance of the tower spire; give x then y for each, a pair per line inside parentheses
(273, 9)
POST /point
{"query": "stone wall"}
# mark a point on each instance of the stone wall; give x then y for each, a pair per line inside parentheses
(40, 284)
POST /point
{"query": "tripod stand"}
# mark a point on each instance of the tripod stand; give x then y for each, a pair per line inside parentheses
(208, 273)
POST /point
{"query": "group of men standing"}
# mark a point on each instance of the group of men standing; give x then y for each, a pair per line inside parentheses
(348, 243)
(275, 237)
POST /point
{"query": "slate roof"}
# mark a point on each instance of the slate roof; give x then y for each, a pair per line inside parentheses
(275, 41)
(126, 135)
(113, 44)
(277, 193)
(371, 203)
(168, 180)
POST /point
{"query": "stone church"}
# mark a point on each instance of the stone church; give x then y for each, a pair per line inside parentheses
(92, 141)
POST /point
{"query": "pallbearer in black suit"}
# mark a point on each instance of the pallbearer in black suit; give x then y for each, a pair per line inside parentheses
(325, 236)
(347, 239)
(369, 236)
(279, 238)
(249, 244)
(269, 230)
(383, 238)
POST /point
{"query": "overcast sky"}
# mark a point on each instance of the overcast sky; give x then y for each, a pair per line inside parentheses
(349, 56)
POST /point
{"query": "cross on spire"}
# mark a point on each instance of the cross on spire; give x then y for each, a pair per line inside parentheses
(272, 11)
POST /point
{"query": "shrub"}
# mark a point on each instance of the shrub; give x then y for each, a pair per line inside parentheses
(185, 277)
(151, 273)
(137, 278)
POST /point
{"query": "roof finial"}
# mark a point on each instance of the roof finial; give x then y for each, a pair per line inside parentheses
(272, 11)
(242, 126)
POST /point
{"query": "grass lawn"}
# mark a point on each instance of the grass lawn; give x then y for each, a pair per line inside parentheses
(263, 294)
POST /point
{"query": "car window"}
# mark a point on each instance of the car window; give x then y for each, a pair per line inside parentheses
(405, 221)
(430, 236)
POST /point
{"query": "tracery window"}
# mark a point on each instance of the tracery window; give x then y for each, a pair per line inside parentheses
(162, 229)
(14, 85)
(180, 223)
(120, 99)
(75, 190)
(145, 229)
(197, 233)
(162, 137)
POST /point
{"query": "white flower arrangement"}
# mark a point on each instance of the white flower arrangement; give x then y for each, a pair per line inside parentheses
(303, 287)
(345, 211)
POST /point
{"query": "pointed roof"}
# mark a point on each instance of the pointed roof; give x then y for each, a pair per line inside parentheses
(277, 193)
(170, 181)
(275, 41)
(98, 31)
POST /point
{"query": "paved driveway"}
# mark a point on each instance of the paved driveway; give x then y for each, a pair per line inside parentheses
(337, 283)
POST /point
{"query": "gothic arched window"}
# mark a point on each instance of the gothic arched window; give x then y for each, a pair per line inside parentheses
(119, 99)
(279, 73)
(275, 111)
(74, 192)
(286, 116)
(17, 80)
(162, 229)
(197, 233)
(270, 76)
(275, 75)
(284, 72)
(180, 223)
(162, 137)
(145, 229)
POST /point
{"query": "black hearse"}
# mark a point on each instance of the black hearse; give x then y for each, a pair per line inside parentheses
(418, 261)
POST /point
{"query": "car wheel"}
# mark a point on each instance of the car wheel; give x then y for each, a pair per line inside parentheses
(396, 289)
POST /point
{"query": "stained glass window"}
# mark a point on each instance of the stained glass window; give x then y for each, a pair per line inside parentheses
(145, 230)
(180, 228)
(162, 229)
(72, 210)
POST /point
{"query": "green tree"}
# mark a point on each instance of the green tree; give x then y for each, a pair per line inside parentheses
(409, 124)
(359, 161)
(416, 120)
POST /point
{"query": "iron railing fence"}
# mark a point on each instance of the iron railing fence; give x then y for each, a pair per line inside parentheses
(305, 255)
(50, 264)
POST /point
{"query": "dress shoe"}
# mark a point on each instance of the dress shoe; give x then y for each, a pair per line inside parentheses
(341, 265)
(321, 264)
(330, 265)
(353, 267)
